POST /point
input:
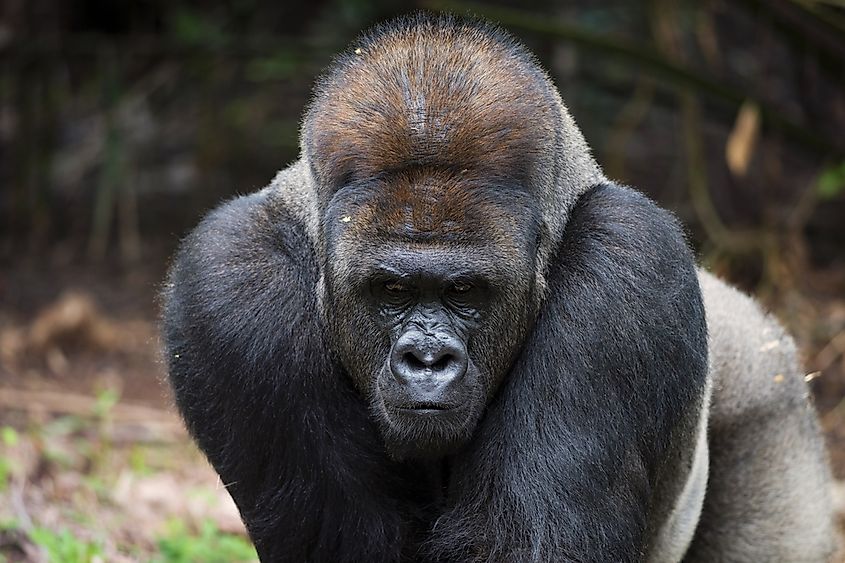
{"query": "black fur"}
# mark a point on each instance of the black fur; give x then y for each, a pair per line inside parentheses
(568, 455)
(566, 460)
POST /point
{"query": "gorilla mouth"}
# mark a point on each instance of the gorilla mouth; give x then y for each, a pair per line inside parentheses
(426, 407)
(423, 407)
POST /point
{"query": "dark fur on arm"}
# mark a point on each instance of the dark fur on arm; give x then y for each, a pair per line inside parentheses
(275, 415)
(569, 452)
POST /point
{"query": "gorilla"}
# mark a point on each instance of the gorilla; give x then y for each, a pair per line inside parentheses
(443, 335)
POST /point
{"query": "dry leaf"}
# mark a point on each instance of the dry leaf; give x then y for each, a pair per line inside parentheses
(743, 138)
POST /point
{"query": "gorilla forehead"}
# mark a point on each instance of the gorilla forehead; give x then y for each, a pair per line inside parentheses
(435, 205)
(457, 94)
(432, 263)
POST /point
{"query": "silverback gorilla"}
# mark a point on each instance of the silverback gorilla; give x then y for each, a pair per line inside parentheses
(443, 335)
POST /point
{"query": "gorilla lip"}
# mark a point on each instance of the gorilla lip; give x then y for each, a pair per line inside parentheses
(424, 408)
(419, 412)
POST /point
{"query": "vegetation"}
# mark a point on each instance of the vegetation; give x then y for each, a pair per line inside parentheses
(72, 490)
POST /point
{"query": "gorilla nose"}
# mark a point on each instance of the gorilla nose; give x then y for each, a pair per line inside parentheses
(428, 363)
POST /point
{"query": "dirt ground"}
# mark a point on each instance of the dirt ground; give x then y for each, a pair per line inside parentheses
(94, 462)
(91, 447)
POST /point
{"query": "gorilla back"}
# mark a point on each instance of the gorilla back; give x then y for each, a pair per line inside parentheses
(444, 335)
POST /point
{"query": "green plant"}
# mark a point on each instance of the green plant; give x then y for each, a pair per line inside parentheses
(106, 400)
(210, 545)
(64, 547)
(5, 473)
(9, 524)
(138, 461)
(831, 181)
(9, 438)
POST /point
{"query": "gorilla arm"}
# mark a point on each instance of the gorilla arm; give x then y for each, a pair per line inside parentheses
(276, 417)
(768, 498)
(589, 441)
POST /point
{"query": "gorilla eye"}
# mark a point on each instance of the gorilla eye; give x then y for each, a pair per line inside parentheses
(461, 287)
(395, 286)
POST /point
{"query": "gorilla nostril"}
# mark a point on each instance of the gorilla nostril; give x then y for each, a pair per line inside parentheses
(442, 363)
(413, 362)
(436, 363)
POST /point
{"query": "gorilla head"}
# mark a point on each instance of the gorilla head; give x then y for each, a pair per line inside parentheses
(438, 206)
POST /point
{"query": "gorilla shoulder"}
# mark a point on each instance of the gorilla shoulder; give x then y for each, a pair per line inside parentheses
(248, 261)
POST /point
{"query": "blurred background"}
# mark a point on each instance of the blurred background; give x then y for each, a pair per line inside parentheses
(122, 123)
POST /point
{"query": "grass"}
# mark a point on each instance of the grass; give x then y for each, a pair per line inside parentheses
(64, 547)
(72, 493)
(179, 545)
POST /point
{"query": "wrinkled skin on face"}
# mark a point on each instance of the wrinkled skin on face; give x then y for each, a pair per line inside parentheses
(428, 309)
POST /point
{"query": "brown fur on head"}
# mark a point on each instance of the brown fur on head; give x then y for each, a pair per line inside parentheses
(431, 205)
(457, 96)
(461, 99)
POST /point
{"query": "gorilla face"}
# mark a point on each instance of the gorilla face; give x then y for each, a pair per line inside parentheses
(428, 306)
(432, 197)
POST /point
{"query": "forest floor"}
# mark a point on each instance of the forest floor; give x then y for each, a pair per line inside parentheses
(95, 464)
